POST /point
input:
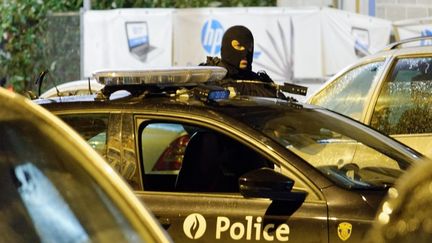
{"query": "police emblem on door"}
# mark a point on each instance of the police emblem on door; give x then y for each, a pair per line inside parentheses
(194, 226)
(344, 231)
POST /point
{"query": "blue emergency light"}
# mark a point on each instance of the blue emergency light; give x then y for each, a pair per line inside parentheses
(211, 93)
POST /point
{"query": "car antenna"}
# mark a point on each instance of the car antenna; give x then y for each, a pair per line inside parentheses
(89, 86)
(39, 80)
(57, 90)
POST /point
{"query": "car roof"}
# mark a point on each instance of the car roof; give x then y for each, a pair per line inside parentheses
(411, 50)
(122, 97)
(14, 106)
(404, 47)
(400, 51)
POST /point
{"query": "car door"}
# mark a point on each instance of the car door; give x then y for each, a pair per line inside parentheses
(192, 208)
(404, 101)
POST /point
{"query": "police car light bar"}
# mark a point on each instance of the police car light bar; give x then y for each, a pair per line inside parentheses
(161, 76)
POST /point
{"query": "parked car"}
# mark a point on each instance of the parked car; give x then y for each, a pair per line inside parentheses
(406, 214)
(390, 91)
(77, 87)
(251, 168)
(55, 188)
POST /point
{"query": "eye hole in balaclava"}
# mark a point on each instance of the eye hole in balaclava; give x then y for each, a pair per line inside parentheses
(238, 45)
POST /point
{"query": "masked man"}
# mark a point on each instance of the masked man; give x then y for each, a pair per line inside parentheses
(237, 56)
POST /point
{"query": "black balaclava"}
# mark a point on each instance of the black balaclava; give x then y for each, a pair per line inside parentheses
(237, 44)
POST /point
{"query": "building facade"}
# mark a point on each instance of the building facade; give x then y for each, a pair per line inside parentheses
(393, 10)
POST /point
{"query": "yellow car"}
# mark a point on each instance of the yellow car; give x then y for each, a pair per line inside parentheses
(55, 188)
(390, 91)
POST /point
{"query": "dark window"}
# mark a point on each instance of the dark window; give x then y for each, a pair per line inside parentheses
(179, 157)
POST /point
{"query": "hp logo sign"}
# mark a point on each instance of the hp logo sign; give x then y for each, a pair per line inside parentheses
(211, 36)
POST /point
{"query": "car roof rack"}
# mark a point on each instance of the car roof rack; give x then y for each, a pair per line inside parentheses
(397, 44)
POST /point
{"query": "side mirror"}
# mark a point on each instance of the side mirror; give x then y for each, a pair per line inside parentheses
(267, 183)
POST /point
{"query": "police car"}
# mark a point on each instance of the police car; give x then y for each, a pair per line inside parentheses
(217, 166)
(61, 190)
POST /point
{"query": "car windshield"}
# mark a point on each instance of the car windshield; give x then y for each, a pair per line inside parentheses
(343, 150)
(47, 196)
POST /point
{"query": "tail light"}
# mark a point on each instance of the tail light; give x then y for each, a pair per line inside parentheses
(172, 157)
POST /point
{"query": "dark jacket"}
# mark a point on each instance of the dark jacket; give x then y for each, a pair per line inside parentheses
(245, 82)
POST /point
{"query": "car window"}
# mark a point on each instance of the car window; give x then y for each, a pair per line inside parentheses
(346, 152)
(53, 198)
(405, 99)
(340, 157)
(92, 127)
(115, 142)
(163, 146)
(347, 94)
(180, 157)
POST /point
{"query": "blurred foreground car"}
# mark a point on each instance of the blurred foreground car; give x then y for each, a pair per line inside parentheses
(55, 188)
(391, 91)
(236, 168)
(406, 214)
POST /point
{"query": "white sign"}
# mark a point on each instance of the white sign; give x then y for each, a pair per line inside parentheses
(126, 39)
